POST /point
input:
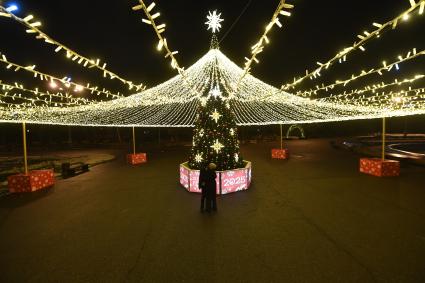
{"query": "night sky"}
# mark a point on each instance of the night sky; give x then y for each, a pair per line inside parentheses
(111, 31)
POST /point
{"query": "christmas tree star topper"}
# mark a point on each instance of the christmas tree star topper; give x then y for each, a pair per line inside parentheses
(215, 92)
(214, 21)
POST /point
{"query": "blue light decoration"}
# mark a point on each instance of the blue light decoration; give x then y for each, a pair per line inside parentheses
(12, 7)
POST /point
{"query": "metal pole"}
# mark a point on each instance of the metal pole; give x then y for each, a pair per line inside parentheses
(134, 142)
(383, 138)
(281, 143)
(24, 139)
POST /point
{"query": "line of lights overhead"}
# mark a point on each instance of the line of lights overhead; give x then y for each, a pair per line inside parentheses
(282, 9)
(66, 81)
(395, 65)
(33, 29)
(364, 38)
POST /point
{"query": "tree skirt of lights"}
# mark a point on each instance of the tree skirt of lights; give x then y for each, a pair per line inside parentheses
(228, 181)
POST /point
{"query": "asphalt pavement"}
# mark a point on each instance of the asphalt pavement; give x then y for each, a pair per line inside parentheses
(312, 218)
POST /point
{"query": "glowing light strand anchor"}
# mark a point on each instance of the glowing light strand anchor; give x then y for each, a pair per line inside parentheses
(364, 38)
(258, 47)
(32, 28)
(47, 77)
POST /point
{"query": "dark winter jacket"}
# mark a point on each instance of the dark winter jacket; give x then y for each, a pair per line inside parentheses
(207, 182)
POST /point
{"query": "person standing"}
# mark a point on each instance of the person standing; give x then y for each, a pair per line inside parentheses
(211, 187)
(202, 185)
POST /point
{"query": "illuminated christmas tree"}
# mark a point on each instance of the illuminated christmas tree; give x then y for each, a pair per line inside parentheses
(215, 138)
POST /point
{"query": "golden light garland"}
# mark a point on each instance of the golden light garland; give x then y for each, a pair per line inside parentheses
(32, 101)
(49, 78)
(162, 41)
(364, 38)
(371, 88)
(258, 47)
(32, 28)
(42, 96)
(387, 101)
(379, 70)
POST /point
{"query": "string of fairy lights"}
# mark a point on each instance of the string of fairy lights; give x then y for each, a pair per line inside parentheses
(174, 102)
(371, 90)
(388, 67)
(66, 81)
(46, 98)
(282, 9)
(162, 41)
(32, 27)
(384, 98)
(366, 36)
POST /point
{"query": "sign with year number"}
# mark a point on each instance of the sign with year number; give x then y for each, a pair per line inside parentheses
(233, 181)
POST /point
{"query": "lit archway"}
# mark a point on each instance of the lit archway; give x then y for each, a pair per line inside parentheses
(293, 127)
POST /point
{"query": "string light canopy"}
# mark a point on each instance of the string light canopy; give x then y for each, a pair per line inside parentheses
(174, 103)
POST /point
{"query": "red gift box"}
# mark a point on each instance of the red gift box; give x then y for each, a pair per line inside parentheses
(34, 181)
(379, 167)
(280, 153)
(137, 158)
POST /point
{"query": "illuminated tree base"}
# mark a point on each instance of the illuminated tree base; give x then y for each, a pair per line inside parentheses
(380, 168)
(228, 181)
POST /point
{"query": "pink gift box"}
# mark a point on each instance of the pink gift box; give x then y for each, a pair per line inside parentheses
(280, 153)
(137, 158)
(379, 167)
(34, 181)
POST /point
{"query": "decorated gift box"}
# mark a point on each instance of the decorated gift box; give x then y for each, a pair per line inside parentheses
(33, 181)
(379, 167)
(280, 153)
(137, 158)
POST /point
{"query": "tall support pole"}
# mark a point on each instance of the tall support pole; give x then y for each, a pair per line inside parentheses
(134, 142)
(281, 137)
(24, 142)
(383, 138)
